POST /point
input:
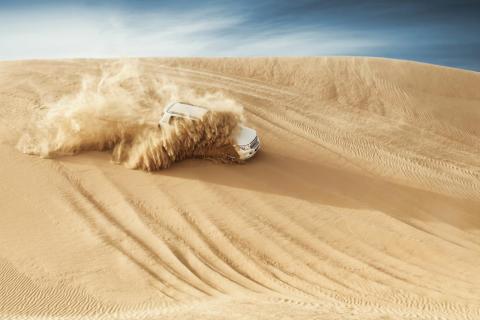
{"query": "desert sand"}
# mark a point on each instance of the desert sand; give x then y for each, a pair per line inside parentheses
(363, 203)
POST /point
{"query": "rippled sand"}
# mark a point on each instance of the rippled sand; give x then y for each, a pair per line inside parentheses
(364, 202)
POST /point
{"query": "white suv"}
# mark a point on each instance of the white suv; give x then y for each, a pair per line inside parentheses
(246, 140)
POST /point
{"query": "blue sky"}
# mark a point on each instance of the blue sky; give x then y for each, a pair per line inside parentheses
(440, 32)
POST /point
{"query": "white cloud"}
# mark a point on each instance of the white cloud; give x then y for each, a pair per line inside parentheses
(82, 32)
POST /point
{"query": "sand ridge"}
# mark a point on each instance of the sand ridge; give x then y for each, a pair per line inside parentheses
(362, 204)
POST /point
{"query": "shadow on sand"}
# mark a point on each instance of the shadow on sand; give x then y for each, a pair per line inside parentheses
(313, 182)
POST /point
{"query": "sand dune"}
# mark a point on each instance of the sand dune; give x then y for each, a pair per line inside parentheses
(364, 202)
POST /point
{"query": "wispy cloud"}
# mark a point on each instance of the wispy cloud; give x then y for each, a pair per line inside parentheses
(101, 33)
(84, 33)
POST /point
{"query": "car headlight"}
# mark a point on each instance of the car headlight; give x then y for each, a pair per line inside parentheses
(245, 147)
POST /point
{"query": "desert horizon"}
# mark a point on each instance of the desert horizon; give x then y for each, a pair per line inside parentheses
(363, 201)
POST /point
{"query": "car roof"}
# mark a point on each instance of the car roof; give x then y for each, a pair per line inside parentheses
(185, 109)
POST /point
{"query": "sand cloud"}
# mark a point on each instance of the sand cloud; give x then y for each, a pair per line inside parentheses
(120, 110)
